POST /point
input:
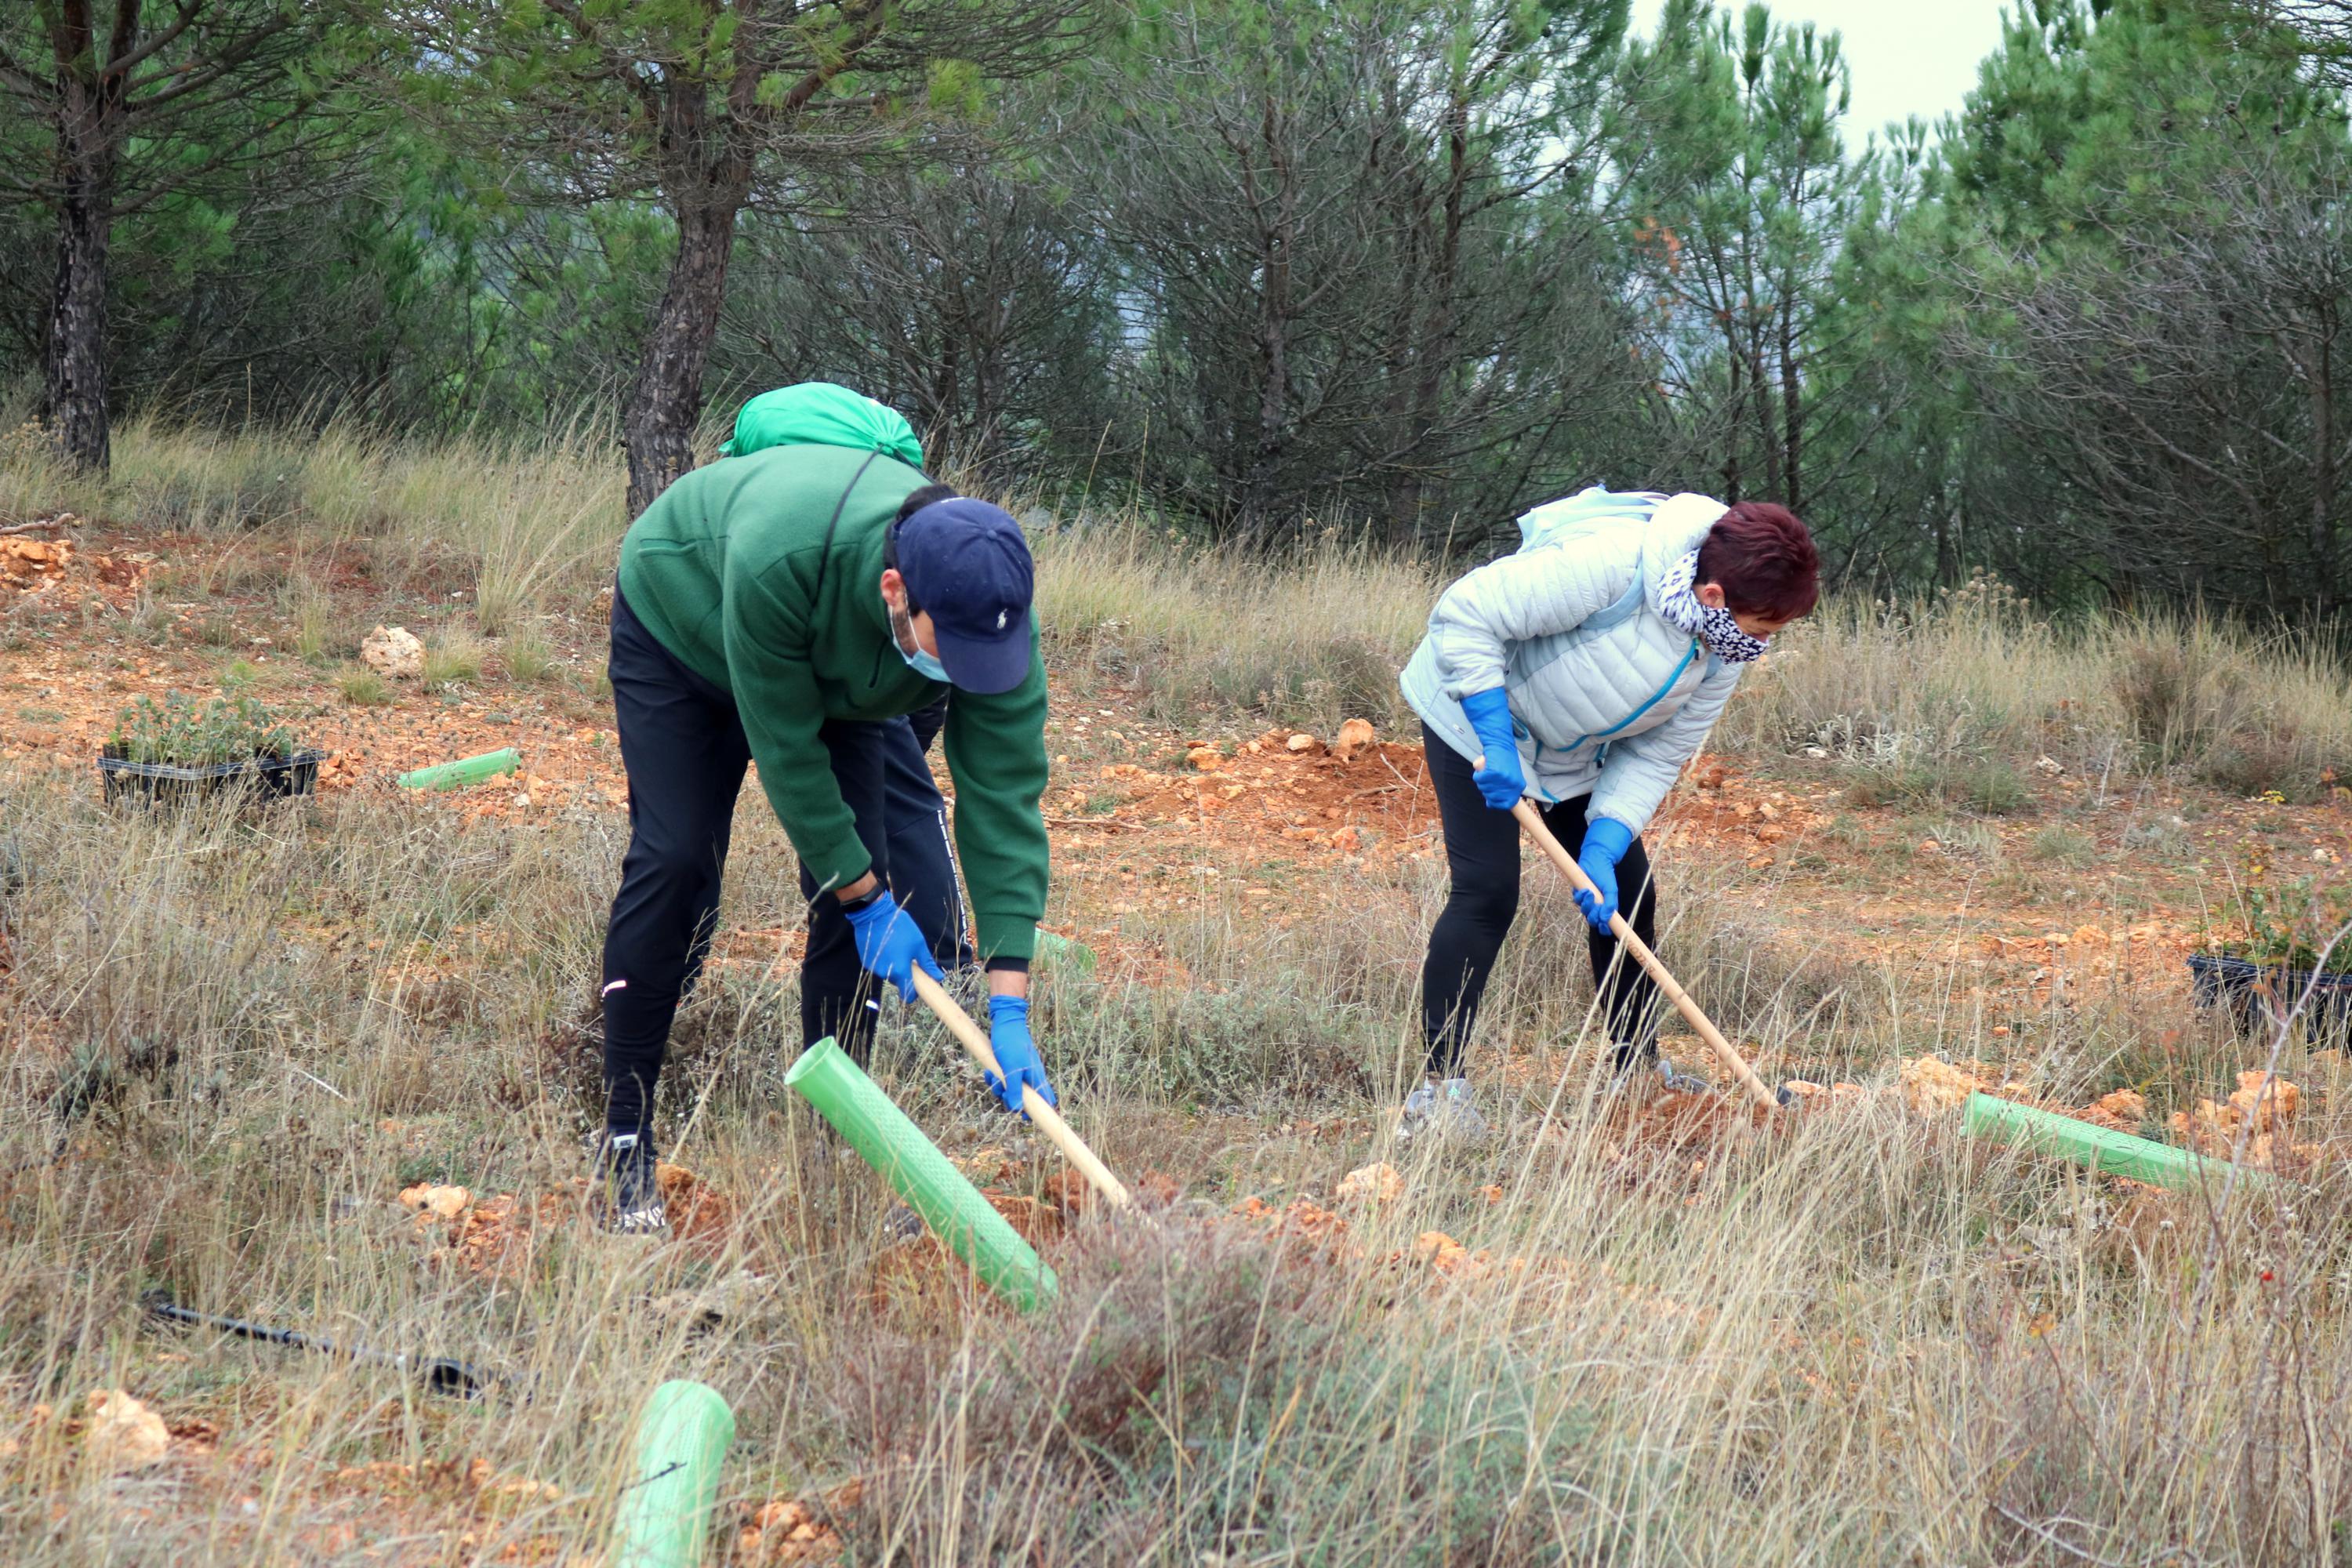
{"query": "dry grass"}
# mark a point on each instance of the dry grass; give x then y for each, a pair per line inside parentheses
(1194, 632)
(1865, 1341)
(1939, 698)
(533, 522)
(1932, 690)
(229, 1041)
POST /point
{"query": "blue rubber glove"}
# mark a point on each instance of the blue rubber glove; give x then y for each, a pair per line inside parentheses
(1606, 839)
(1016, 1053)
(1498, 778)
(891, 945)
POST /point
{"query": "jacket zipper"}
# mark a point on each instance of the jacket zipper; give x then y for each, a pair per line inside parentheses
(1689, 654)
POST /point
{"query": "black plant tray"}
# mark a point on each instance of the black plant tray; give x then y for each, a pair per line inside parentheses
(2261, 996)
(262, 778)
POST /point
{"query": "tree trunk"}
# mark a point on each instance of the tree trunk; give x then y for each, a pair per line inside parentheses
(1433, 355)
(73, 388)
(73, 392)
(1273, 321)
(658, 425)
(1732, 416)
(1792, 408)
(2323, 465)
(1760, 397)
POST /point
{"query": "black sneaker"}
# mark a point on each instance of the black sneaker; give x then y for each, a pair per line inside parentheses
(623, 1188)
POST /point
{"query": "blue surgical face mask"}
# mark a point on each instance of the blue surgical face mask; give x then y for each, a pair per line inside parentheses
(926, 664)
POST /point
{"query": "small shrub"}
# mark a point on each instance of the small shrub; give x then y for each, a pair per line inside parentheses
(2167, 836)
(2058, 845)
(2298, 923)
(1849, 833)
(1968, 841)
(528, 657)
(366, 689)
(1987, 785)
(452, 659)
(179, 732)
(2165, 687)
(238, 675)
(217, 629)
(316, 634)
(150, 618)
(2258, 762)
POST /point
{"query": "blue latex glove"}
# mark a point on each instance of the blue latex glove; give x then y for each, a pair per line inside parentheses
(891, 945)
(1498, 778)
(1016, 1053)
(1606, 839)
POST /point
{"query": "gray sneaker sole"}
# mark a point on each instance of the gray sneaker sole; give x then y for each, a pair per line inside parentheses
(650, 1220)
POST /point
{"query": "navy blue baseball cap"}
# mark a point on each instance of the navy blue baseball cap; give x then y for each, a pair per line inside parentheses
(967, 565)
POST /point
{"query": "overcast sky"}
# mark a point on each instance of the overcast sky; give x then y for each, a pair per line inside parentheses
(1907, 57)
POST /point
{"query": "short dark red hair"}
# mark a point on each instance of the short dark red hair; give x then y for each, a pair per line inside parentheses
(1764, 558)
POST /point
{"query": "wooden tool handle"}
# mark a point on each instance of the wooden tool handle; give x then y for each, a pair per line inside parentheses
(1049, 1120)
(1532, 820)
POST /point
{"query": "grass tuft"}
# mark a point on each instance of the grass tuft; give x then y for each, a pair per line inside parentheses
(366, 688)
(452, 657)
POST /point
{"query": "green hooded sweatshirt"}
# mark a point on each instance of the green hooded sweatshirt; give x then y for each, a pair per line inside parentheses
(762, 574)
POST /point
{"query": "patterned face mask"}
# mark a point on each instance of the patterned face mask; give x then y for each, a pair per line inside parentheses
(1715, 627)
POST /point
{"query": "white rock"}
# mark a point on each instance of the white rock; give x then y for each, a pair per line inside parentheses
(393, 652)
(123, 1433)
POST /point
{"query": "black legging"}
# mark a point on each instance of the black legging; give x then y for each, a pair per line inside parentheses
(1482, 851)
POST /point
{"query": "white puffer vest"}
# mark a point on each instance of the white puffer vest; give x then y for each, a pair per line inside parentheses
(1607, 696)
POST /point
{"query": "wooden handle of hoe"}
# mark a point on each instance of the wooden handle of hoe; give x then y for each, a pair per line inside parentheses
(1532, 820)
(1049, 1120)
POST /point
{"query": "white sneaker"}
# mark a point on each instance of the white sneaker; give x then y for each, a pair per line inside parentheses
(1681, 1082)
(1638, 1062)
(1461, 1117)
(1444, 1110)
(1415, 1119)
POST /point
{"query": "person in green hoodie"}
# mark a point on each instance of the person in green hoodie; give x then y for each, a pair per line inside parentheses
(784, 608)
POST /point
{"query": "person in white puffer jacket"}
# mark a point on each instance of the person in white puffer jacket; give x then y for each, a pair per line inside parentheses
(1584, 670)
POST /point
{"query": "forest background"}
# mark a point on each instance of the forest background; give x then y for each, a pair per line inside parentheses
(1387, 270)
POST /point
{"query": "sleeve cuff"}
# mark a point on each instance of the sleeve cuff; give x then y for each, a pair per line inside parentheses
(1005, 936)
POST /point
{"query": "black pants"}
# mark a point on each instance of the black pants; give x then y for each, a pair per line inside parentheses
(1482, 851)
(682, 745)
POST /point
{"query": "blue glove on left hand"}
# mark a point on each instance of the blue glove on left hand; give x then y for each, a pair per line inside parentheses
(1016, 1053)
(1606, 839)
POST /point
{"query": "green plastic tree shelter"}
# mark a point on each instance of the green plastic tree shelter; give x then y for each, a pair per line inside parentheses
(2100, 1149)
(665, 1513)
(465, 771)
(1053, 949)
(912, 1163)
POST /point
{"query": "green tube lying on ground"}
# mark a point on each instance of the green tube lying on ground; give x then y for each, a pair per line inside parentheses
(912, 1163)
(2100, 1149)
(1062, 950)
(665, 1513)
(464, 770)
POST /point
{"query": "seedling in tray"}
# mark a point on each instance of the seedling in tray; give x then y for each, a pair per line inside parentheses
(179, 749)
